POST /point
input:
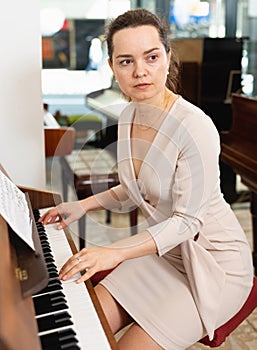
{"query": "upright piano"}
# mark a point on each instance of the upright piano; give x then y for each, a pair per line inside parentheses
(239, 150)
(38, 311)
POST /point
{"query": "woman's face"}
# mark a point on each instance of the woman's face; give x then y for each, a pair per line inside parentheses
(140, 63)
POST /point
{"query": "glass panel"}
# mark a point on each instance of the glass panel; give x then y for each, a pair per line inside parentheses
(195, 18)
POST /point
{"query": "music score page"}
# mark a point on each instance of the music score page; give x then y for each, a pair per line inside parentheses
(14, 209)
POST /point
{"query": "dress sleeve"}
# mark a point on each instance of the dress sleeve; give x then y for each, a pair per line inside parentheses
(195, 186)
(115, 198)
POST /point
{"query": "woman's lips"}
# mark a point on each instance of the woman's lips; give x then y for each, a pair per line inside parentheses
(142, 86)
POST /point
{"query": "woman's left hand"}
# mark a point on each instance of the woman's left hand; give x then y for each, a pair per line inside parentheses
(90, 260)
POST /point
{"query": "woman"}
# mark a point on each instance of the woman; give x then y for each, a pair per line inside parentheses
(191, 269)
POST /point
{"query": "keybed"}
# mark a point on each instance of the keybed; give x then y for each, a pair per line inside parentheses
(71, 305)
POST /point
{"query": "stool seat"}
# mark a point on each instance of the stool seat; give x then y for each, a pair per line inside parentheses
(90, 171)
(223, 331)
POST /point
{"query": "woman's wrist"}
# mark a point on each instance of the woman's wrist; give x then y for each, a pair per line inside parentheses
(83, 203)
(135, 246)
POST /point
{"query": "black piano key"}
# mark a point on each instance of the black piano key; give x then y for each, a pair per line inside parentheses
(52, 268)
(60, 340)
(44, 242)
(41, 231)
(54, 321)
(47, 250)
(48, 259)
(48, 303)
(43, 239)
(48, 255)
(53, 285)
(53, 274)
(51, 265)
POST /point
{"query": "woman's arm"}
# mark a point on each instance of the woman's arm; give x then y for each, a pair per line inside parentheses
(66, 213)
(108, 257)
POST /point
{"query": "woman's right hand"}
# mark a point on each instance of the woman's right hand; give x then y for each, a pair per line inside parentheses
(64, 214)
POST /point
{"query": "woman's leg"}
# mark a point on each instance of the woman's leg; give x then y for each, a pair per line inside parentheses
(116, 316)
(137, 339)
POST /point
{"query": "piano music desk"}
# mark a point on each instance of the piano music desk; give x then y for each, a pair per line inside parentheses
(89, 172)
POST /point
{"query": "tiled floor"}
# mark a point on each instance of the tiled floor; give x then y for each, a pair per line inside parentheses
(100, 233)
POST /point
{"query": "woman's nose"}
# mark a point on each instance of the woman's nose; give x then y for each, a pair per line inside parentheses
(140, 70)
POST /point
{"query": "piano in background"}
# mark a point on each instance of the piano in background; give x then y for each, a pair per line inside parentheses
(110, 102)
(239, 151)
(25, 276)
(206, 67)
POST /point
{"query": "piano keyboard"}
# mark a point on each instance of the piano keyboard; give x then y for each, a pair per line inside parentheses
(65, 314)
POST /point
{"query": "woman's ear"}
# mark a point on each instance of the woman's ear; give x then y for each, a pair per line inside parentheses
(110, 64)
(168, 58)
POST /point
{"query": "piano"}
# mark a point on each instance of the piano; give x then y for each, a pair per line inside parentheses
(109, 102)
(239, 151)
(38, 311)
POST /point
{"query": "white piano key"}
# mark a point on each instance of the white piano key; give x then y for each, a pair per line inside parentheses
(87, 325)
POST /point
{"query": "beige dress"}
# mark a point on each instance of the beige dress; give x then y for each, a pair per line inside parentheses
(203, 272)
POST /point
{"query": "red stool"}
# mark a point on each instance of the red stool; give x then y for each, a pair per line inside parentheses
(223, 331)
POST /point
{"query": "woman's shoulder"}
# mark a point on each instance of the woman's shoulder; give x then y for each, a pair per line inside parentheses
(184, 108)
(189, 122)
(191, 115)
(127, 113)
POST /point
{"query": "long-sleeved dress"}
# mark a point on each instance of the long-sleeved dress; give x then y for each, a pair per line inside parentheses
(202, 272)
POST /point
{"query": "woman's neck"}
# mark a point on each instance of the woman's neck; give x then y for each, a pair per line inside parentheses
(151, 115)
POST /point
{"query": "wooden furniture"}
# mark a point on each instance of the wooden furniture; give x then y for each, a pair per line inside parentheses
(23, 272)
(89, 172)
(58, 140)
(239, 151)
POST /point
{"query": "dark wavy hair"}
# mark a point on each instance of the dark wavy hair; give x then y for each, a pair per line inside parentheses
(139, 17)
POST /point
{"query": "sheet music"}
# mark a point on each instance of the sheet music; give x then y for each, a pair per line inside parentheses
(14, 209)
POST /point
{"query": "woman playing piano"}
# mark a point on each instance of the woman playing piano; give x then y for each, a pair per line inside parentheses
(191, 269)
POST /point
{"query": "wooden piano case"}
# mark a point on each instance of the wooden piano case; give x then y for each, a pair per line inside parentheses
(18, 328)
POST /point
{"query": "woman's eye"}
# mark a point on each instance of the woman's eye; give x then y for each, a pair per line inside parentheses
(152, 58)
(125, 62)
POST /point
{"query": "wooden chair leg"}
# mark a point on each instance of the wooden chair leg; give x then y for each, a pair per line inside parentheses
(108, 216)
(64, 186)
(82, 232)
(133, 221)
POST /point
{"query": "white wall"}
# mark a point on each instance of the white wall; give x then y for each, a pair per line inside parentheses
(21, 117)
(100, 9)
